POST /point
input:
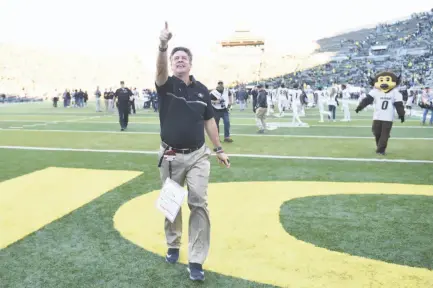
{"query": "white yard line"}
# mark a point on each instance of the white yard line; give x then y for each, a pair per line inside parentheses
(231, 155)
(6, 105)
(245, 135)
(369, 126)
(41, 123)
(34, 125)
(55, 122)
(285, 119)
(252, 119)
(327, 136)
(29, 120)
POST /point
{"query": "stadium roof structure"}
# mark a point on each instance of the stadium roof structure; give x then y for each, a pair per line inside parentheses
(242, 38)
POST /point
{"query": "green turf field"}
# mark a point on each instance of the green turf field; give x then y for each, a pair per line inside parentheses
(83, 249)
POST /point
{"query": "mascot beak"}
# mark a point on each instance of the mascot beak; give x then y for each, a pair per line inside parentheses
(384, 86)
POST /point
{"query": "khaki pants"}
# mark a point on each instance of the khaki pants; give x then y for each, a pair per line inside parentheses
(260, 118)
(194, 169)
(381, 131)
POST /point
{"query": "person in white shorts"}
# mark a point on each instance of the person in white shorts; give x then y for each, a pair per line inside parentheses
(321, 101)
(345, 101)
(270, 99)
(295, 95)
(283, 99)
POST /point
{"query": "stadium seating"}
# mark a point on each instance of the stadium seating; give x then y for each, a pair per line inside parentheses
(405, 47)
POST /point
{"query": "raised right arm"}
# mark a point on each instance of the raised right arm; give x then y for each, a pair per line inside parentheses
(162, 60)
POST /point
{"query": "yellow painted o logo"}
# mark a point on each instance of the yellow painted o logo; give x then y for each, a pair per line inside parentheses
(248, 241)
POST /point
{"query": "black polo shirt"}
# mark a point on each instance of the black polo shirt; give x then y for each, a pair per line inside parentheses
(122, 95)
(182, 112)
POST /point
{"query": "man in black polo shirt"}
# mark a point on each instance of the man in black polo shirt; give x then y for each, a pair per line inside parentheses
(185, 112)
(122, 96)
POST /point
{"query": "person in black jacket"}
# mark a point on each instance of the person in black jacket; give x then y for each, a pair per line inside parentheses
(261, 107)
(254, 93)
(80, 96)
(85, 98)
(106, 100)
(123, 97)
(66, 98)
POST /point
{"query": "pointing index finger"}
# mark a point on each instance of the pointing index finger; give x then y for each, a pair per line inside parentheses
(166, 25)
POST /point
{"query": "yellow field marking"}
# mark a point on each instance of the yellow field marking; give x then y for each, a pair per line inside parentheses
(248, 241)
(32, 201)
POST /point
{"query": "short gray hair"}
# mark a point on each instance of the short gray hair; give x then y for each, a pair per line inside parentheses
(184, 49)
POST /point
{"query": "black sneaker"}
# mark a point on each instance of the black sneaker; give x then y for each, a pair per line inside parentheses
(172, 255)
(196, 272)
(228, 140)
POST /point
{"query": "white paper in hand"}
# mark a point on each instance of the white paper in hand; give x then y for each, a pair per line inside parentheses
(170, 199)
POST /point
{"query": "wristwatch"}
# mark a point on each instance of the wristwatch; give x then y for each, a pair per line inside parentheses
(218, 150)
(163, 49)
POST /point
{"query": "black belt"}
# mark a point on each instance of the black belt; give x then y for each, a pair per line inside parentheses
(175, 150)
(178, 150)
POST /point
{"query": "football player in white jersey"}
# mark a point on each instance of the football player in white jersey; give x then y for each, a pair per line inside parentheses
(321, 101)
(310, 96)
(270, 99)
(345, 100)
(295, 97)
(385, 99)
(283, 99)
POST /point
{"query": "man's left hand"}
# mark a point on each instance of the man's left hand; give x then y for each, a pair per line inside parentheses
(223, 159)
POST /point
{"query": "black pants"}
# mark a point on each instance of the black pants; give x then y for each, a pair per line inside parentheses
(123, 109)
(224, 114)
(381, 131)
(132, 106)
(332, 109)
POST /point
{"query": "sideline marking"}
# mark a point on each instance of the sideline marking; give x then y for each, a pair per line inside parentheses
(286, 123)
(231, 155)
(233, 124)
(366, 126)
(39, 123)
(249, 242)
(31, 201)
(233, 134)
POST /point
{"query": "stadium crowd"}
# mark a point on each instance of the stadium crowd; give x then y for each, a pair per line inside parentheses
(405, 47)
